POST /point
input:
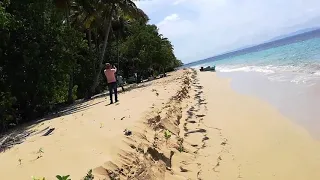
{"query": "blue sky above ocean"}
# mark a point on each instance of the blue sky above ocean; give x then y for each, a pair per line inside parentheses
(204, 28)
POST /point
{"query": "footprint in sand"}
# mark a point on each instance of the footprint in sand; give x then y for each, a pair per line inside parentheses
(201, 115)
(192, 122)
(224, 142)
(205, 138)
(183, 169)
(196, 131)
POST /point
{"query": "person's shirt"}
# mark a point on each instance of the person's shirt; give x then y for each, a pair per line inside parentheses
(110, 75)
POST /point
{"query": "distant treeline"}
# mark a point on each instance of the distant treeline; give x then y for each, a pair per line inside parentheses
(52, 52)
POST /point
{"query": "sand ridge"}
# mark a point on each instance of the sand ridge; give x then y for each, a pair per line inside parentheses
(186, 154)
(151, 153)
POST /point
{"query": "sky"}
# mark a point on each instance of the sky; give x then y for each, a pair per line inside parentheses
(200, 29)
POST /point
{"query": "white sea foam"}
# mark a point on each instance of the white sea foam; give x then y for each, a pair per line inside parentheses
(302, 74)
(246, 69)
(317, 73)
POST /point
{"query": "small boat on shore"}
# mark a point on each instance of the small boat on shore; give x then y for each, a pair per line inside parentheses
(208, 68)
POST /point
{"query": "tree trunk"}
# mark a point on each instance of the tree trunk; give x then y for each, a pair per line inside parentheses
(118, 50)
(90, 46)
(96, 41)
(89, 39)
(100, 65)
(70, 87)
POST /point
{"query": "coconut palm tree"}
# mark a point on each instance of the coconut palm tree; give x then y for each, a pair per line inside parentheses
(120, 31)
(130, 10)
(99, 15)
(66, 6)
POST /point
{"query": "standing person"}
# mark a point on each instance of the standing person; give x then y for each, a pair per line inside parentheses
(136, 77)
(120, 82)
(112, 81)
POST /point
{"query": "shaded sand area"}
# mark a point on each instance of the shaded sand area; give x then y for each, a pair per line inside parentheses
(85, 135)
(189, 125)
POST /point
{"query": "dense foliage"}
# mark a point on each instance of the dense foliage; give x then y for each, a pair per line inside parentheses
(52, 52)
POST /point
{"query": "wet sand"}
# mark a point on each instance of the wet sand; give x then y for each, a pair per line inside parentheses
(299, 102)
(190, 125)
(264, 143)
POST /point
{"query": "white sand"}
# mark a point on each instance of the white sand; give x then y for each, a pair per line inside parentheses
(225, 136)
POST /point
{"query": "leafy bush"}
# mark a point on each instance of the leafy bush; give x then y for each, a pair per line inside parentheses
(89, 175)
(167, 135)
(63, 177)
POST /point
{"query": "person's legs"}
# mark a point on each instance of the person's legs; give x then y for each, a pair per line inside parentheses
(115, 91)
(110, 87)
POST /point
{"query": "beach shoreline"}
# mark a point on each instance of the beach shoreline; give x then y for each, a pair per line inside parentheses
(298, 102)
(189, 125)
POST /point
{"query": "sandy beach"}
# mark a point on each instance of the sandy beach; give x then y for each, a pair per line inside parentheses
(189, 125)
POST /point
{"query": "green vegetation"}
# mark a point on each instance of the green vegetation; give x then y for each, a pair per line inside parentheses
(167, 135)
(63, 177)
(89, 175)
(40, 152)
(52, 52)
(34, 178)
(180, 147)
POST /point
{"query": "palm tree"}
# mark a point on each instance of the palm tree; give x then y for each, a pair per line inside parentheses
(120, 31)
(98, 15)
(85, 16)
(129, 9)
(66, 6)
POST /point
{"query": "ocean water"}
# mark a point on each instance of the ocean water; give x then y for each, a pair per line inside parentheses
(296, 62)
(285, 73)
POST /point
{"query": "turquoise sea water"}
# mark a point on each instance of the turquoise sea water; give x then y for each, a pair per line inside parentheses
(286, 74)
(295, 62)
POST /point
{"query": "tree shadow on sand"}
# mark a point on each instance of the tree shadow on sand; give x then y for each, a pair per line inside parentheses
(18, 134)
(13, 138)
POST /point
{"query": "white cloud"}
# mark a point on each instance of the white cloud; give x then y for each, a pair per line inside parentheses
(178, 2)
(168, 19)
(203, 28)
(181, 27)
